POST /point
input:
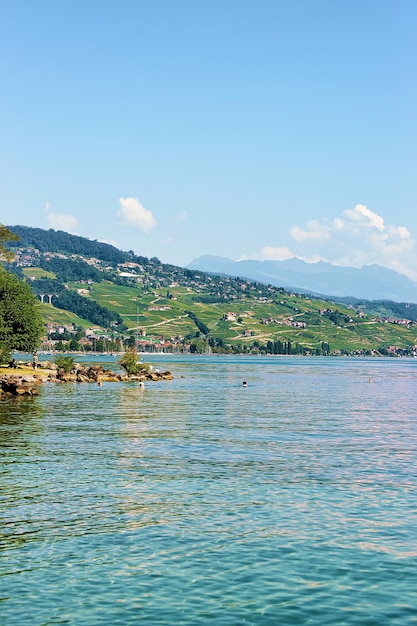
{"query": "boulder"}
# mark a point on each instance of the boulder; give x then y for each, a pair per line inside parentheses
(81, 378)
(67, 377)
(17, 386)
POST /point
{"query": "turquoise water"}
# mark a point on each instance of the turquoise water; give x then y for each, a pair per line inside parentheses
(198, 501)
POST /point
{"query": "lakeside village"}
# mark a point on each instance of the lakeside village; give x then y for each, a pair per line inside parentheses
(95, 339)
(67, 338)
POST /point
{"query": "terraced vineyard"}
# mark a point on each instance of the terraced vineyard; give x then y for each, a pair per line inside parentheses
(123, 296)
(252, 320)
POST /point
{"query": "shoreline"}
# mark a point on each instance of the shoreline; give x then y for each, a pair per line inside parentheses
(26, 380)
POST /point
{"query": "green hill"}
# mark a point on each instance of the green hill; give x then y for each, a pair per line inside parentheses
(129, 296)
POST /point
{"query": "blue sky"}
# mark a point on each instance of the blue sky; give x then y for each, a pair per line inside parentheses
(241, 129)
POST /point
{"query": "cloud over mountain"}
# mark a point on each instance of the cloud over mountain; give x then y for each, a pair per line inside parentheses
(357, 237)
(60, 221)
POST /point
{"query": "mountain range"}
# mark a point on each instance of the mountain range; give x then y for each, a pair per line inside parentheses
(371, 282)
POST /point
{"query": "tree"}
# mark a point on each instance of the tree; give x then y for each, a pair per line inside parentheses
(131, 342)
(21, 325)
(325, 347)
(5, 236)
(73, 345)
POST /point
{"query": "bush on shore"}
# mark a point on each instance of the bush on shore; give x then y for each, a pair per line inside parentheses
(65, 363)
(131, 363)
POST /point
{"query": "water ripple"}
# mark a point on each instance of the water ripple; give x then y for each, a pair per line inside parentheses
(195, 501)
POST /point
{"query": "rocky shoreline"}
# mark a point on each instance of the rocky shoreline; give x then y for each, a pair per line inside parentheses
(14, 383)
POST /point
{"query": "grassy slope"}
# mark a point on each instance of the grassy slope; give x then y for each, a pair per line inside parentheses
(38, 272)
(51, 315)
(133, 306)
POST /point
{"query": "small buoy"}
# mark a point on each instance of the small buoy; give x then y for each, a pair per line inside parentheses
(370, 380)
(244, 383)
(141, 384)
(99, 383)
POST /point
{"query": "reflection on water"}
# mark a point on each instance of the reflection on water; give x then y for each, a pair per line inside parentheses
(18, 416)
(289, 501)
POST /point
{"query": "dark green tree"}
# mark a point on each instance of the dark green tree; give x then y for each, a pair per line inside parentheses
(278, 347)
(131, 342)
(325, 347)
(73, 345)
(21, 325)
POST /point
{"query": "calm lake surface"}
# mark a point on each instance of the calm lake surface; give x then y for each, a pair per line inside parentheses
(199, 501)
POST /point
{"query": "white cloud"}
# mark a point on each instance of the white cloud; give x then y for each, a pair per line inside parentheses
(268, 253)
(403, 232)
(358, 237)
(314, 231)
(59, 221)
(133, 213)
(354, 238)
(366, 218)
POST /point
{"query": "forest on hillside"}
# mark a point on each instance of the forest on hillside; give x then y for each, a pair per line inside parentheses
(59, 241)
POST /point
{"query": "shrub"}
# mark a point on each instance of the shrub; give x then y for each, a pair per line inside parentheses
(65, 363)
(130, 362)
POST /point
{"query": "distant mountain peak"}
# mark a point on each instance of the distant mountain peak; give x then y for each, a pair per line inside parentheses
(371, 282)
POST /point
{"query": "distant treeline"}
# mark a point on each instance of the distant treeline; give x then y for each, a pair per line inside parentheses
(58, 241)
(397, 309)
(200, 325)
(68, 270)
(383, 308)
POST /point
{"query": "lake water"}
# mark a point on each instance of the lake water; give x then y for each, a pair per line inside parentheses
(292, 500)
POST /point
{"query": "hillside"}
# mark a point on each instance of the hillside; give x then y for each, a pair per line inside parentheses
(60, 241)
(102, 298)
